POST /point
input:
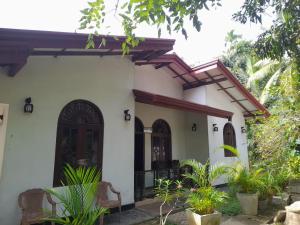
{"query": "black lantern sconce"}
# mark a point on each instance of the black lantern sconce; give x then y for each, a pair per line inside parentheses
(243, 130)
(1, 119)
(28, 107)
(194, 127)
(215, 128)
(127, 116)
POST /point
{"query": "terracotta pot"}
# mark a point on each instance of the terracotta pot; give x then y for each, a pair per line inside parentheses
(208, 219)
(249, 203)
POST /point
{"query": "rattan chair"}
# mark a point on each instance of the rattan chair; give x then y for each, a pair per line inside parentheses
(103, 200)
(31, 204)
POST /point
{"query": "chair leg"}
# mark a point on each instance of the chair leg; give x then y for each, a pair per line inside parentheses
(101, 220)
(120, 213)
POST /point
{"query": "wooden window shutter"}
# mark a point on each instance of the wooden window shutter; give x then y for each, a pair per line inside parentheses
(229, 139)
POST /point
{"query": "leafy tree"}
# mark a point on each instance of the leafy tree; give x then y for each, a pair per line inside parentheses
(282, 39)
(236, 55)
(273, 140)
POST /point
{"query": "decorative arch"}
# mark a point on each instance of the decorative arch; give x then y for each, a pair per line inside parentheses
(229, 138)
(161, 145)
(79, 140)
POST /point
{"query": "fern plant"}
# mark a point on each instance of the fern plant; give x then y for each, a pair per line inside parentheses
(77, 197)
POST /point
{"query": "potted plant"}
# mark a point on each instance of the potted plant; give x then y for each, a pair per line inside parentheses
(267, 188)
(246, 184)
(77, 197)
(203, 199)
(202, 206)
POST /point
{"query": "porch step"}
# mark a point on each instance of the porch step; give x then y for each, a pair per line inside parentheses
(146, 201)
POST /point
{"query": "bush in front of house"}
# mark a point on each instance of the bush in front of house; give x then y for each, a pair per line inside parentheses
(77, 197)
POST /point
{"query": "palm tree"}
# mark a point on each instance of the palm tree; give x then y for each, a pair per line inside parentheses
(78, 197)
(264, 75)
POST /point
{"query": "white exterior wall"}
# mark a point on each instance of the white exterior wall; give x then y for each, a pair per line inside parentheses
(186, 144)
(148, 114)
(220, 100)
(157, 81)
(31, 138)
(107, 82)
(197, 141)
(160, 81)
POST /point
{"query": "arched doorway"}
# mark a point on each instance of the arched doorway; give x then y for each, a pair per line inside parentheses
(161, 145)
(79, 140)
(139, 159)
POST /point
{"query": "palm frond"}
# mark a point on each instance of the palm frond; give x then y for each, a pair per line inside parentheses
(77, 197)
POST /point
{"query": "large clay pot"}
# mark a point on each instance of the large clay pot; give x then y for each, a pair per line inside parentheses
(209, 219)
(249, 203)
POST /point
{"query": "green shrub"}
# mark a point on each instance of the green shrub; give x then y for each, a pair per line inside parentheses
(205, 200)
(245, 181)
(294, 166)
(231, 207)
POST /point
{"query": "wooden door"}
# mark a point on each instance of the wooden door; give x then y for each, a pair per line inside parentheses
(79, 139)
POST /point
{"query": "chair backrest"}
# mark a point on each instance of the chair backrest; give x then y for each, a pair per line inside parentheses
(102, 190)
(32, 200)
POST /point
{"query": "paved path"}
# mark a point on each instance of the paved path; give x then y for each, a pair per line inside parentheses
(129, 217)
(180, 219)
(137, 216)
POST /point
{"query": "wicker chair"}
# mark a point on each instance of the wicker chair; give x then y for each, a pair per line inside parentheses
(31, 203)
(103, 200)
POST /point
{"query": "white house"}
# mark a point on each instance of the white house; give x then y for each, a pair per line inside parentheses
(80, 99)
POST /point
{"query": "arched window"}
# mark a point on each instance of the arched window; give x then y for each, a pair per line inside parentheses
(161, 145)
(79, 140)
(229, 139)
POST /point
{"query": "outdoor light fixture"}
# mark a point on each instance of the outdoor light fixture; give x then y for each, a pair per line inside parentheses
(1, 119)
(194, 127)
(215, 128)
(28, 107)
(127, 115)
(243, 130)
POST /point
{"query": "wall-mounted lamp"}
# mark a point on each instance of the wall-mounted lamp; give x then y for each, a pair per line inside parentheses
(215, 128)
(28, 107)
(243, 130)
(127, 116)
(194, 127)
(1, 119)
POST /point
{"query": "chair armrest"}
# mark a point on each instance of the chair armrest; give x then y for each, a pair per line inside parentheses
(115, 192)
(53, 203)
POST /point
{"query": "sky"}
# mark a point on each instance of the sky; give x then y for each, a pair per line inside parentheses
(64, 15)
